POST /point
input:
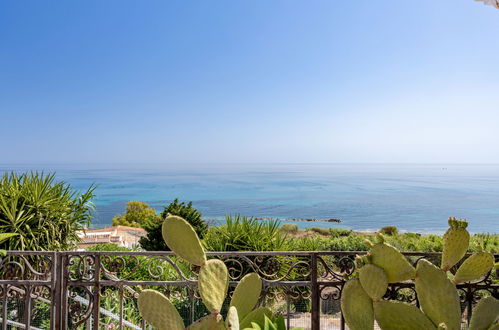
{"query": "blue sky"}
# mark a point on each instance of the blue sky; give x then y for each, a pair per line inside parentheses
(248, 81)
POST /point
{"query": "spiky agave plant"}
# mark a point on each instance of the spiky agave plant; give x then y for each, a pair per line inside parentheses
(361, 299)
(45, 214)
(213, 282)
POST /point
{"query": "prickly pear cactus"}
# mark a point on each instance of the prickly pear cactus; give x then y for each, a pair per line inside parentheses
(232, 321)
(209, 322)
(213, 282)
(485, 314)
(373, 280)
(437, 295)
(494, 326)
(435, 287)
(357, 306)
(246, 294)
(182, 239)
(388, 258)
(456, 241)
(256, 316)
(475, 267)
(156, 309)
(392, 315)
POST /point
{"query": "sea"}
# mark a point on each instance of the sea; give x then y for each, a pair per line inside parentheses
(414, 197)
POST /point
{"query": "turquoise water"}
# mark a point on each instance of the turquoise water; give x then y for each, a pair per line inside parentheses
(365, 197)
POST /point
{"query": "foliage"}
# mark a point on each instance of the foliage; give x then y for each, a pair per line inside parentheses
(289, 228)
(339, 232)
(3, 237)
(137, 214)
(348, 243)
(130, 310)
(213, 283)
(308, 244)
(154, 239)
(320, 231)
(439, 301)
(137, 268)
(46, 215)
(403, 242)
(242, 233)
(389, 230)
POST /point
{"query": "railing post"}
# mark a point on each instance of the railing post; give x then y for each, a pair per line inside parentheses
(316, 306)
(57, 287)
(96, 293)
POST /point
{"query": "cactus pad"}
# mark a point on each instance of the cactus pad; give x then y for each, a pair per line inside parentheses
(256, 316)
(182, 239)
(473, 268)
(437, 295)
(209, 322)
(357, 306)
(158, 311)
(392, 315)
(246, 294)
(485, 314)
(232, 321)
(373, 280)
(456, 241)
(213, 282)
(395, 265)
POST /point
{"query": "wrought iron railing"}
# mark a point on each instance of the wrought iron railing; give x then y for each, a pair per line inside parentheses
(98, 290)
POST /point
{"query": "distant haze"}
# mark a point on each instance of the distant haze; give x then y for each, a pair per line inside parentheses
(249, 81)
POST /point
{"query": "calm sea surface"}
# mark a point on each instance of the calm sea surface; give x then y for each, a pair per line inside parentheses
(365, 197)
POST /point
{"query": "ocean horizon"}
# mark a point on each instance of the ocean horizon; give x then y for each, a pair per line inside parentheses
(413, 197)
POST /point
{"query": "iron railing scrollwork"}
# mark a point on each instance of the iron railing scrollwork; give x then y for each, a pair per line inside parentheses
(98, 290)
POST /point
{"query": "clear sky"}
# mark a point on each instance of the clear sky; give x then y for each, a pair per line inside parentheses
(248, 81)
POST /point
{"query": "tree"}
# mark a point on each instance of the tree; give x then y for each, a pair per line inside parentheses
(137, 214)
(44, 214)
(154, 239)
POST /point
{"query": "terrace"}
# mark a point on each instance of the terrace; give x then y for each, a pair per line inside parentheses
(98, 290)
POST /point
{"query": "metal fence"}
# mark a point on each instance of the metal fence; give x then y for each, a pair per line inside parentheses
(98, 290)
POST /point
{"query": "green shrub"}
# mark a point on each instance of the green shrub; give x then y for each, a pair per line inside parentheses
(242, 233)
(321, 231)
(308, 244)
(289, 228)
(154, 239)
(389, 230)
(136, 268)
(137, 214)
(338, 232)
(46, 215)
(348, 243)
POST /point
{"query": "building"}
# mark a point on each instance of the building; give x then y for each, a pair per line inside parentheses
(123, 236)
